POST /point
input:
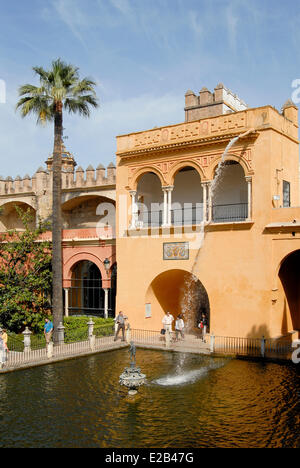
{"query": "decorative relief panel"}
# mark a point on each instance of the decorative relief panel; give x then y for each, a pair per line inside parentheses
(183, 132)
(204, 162)
(176, 251)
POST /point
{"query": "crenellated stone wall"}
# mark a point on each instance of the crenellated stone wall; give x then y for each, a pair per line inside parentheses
(42, 180)
(36, 192)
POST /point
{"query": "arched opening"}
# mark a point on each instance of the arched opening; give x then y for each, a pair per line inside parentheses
(149, 199)
(187, 197)
(230, 195)
(289, 275)
(84, 212)
(10, 219)
(179, 292)
(86, 295)
(112, 291)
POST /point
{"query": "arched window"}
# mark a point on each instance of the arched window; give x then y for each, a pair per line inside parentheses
(187, 197)
(86, 295)
(149, 200)
(230, 196)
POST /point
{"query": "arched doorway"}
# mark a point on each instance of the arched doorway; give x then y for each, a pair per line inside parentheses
(86, 295)
(289, 275)
(179, 292)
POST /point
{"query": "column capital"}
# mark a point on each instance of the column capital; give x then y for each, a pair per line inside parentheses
(167, 188)
(248, 178)
(132, 192)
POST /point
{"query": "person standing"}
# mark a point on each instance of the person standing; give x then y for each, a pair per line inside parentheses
(179, 327)
(203, 326)
(120, 321)
(167, 322)
(3, 347)
(48, 330)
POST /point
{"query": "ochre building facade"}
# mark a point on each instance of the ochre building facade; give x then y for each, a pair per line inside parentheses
(193, 236)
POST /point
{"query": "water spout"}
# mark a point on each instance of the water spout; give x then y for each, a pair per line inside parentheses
(188, 286)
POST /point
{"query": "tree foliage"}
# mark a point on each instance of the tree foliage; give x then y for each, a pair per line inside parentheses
(25, 275)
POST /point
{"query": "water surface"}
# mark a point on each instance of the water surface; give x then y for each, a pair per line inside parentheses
(189, 401)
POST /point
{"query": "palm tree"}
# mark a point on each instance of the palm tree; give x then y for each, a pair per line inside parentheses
(60, 88)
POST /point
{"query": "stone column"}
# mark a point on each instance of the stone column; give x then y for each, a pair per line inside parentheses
(165, 210)
(106, 302)
(169, 218)
(210, 201)
(133, 209)
(204, 189)
(249, 191)
(66, 291)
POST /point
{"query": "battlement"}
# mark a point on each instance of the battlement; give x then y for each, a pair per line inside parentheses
(71, 179)
(211, 104)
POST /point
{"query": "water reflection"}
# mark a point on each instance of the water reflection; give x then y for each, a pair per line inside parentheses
(190, 401)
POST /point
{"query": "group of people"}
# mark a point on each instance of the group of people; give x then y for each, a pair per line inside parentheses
(48, 330)
(179, 325)
(167, 321)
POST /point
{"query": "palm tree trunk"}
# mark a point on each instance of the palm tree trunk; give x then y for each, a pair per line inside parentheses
(57, 297)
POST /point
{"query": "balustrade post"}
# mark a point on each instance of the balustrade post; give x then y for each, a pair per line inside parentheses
(212, 343)
(61, 334)
(90, 325)
(27, 340)
(91, 336)
(50, 350)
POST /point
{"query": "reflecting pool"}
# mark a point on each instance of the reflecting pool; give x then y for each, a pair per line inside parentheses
(189, 401)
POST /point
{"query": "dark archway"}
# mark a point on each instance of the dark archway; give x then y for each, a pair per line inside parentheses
(289, 275)
(180, 292)
(86, 295)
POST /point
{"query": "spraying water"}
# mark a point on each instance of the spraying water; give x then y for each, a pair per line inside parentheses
(190, 292)
(187, 300)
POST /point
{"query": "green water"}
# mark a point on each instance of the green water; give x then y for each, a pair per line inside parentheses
(189, 401)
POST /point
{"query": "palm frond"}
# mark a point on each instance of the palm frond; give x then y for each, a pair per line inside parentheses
(61, 83)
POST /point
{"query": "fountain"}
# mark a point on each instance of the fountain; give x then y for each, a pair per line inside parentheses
(132, 377)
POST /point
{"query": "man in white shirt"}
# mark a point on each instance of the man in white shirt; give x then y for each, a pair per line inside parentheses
(167, 322)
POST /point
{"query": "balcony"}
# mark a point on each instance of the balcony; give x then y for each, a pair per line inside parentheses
(191, 216)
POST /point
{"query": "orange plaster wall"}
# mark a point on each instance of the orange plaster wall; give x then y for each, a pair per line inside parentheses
(237, 264)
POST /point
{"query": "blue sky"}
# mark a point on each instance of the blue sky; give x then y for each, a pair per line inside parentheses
(144, 55)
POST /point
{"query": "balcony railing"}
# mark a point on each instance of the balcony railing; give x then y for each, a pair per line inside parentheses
(229, 213)
(194, 215)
